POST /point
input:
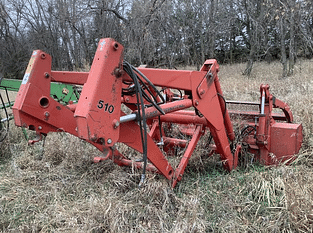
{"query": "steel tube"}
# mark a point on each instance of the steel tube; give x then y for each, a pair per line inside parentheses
(129, 117)
(184, 119)
(6, 119)
(153, 112)
(242, 102)
(262, 103)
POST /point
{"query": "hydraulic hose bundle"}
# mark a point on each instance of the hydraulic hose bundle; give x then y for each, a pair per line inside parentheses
(141, 89)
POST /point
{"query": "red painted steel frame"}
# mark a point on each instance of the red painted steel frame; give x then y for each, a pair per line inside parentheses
(96, 116)
(276, 141)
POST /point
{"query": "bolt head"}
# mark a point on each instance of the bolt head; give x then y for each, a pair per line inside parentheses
(118, 72)
(116, 123)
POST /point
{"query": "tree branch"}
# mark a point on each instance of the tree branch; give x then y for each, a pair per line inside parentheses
(118, 15)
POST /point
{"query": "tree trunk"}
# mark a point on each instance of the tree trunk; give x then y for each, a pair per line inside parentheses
(292, 44)
(250, 61)
(283, 47)
(211, 33)
(251, 44)
(252, 51)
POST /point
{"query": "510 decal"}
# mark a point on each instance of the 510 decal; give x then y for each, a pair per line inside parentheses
(107, 107)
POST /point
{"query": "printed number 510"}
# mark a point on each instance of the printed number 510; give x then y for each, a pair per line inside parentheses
(107, 107)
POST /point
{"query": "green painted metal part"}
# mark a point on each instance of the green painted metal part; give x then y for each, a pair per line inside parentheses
(10, 84)
(63, 93)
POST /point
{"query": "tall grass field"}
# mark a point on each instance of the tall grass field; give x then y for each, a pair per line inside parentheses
(55, 187)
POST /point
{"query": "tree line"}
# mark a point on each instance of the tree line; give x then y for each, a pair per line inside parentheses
(159, 33)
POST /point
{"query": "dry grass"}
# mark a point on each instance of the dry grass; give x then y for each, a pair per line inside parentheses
(58, 189)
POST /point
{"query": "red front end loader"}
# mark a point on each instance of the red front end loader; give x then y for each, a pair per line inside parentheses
(151, 106)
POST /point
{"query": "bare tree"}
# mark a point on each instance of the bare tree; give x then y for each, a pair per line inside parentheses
(158, 32)
(255, 16)
(13, 47)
